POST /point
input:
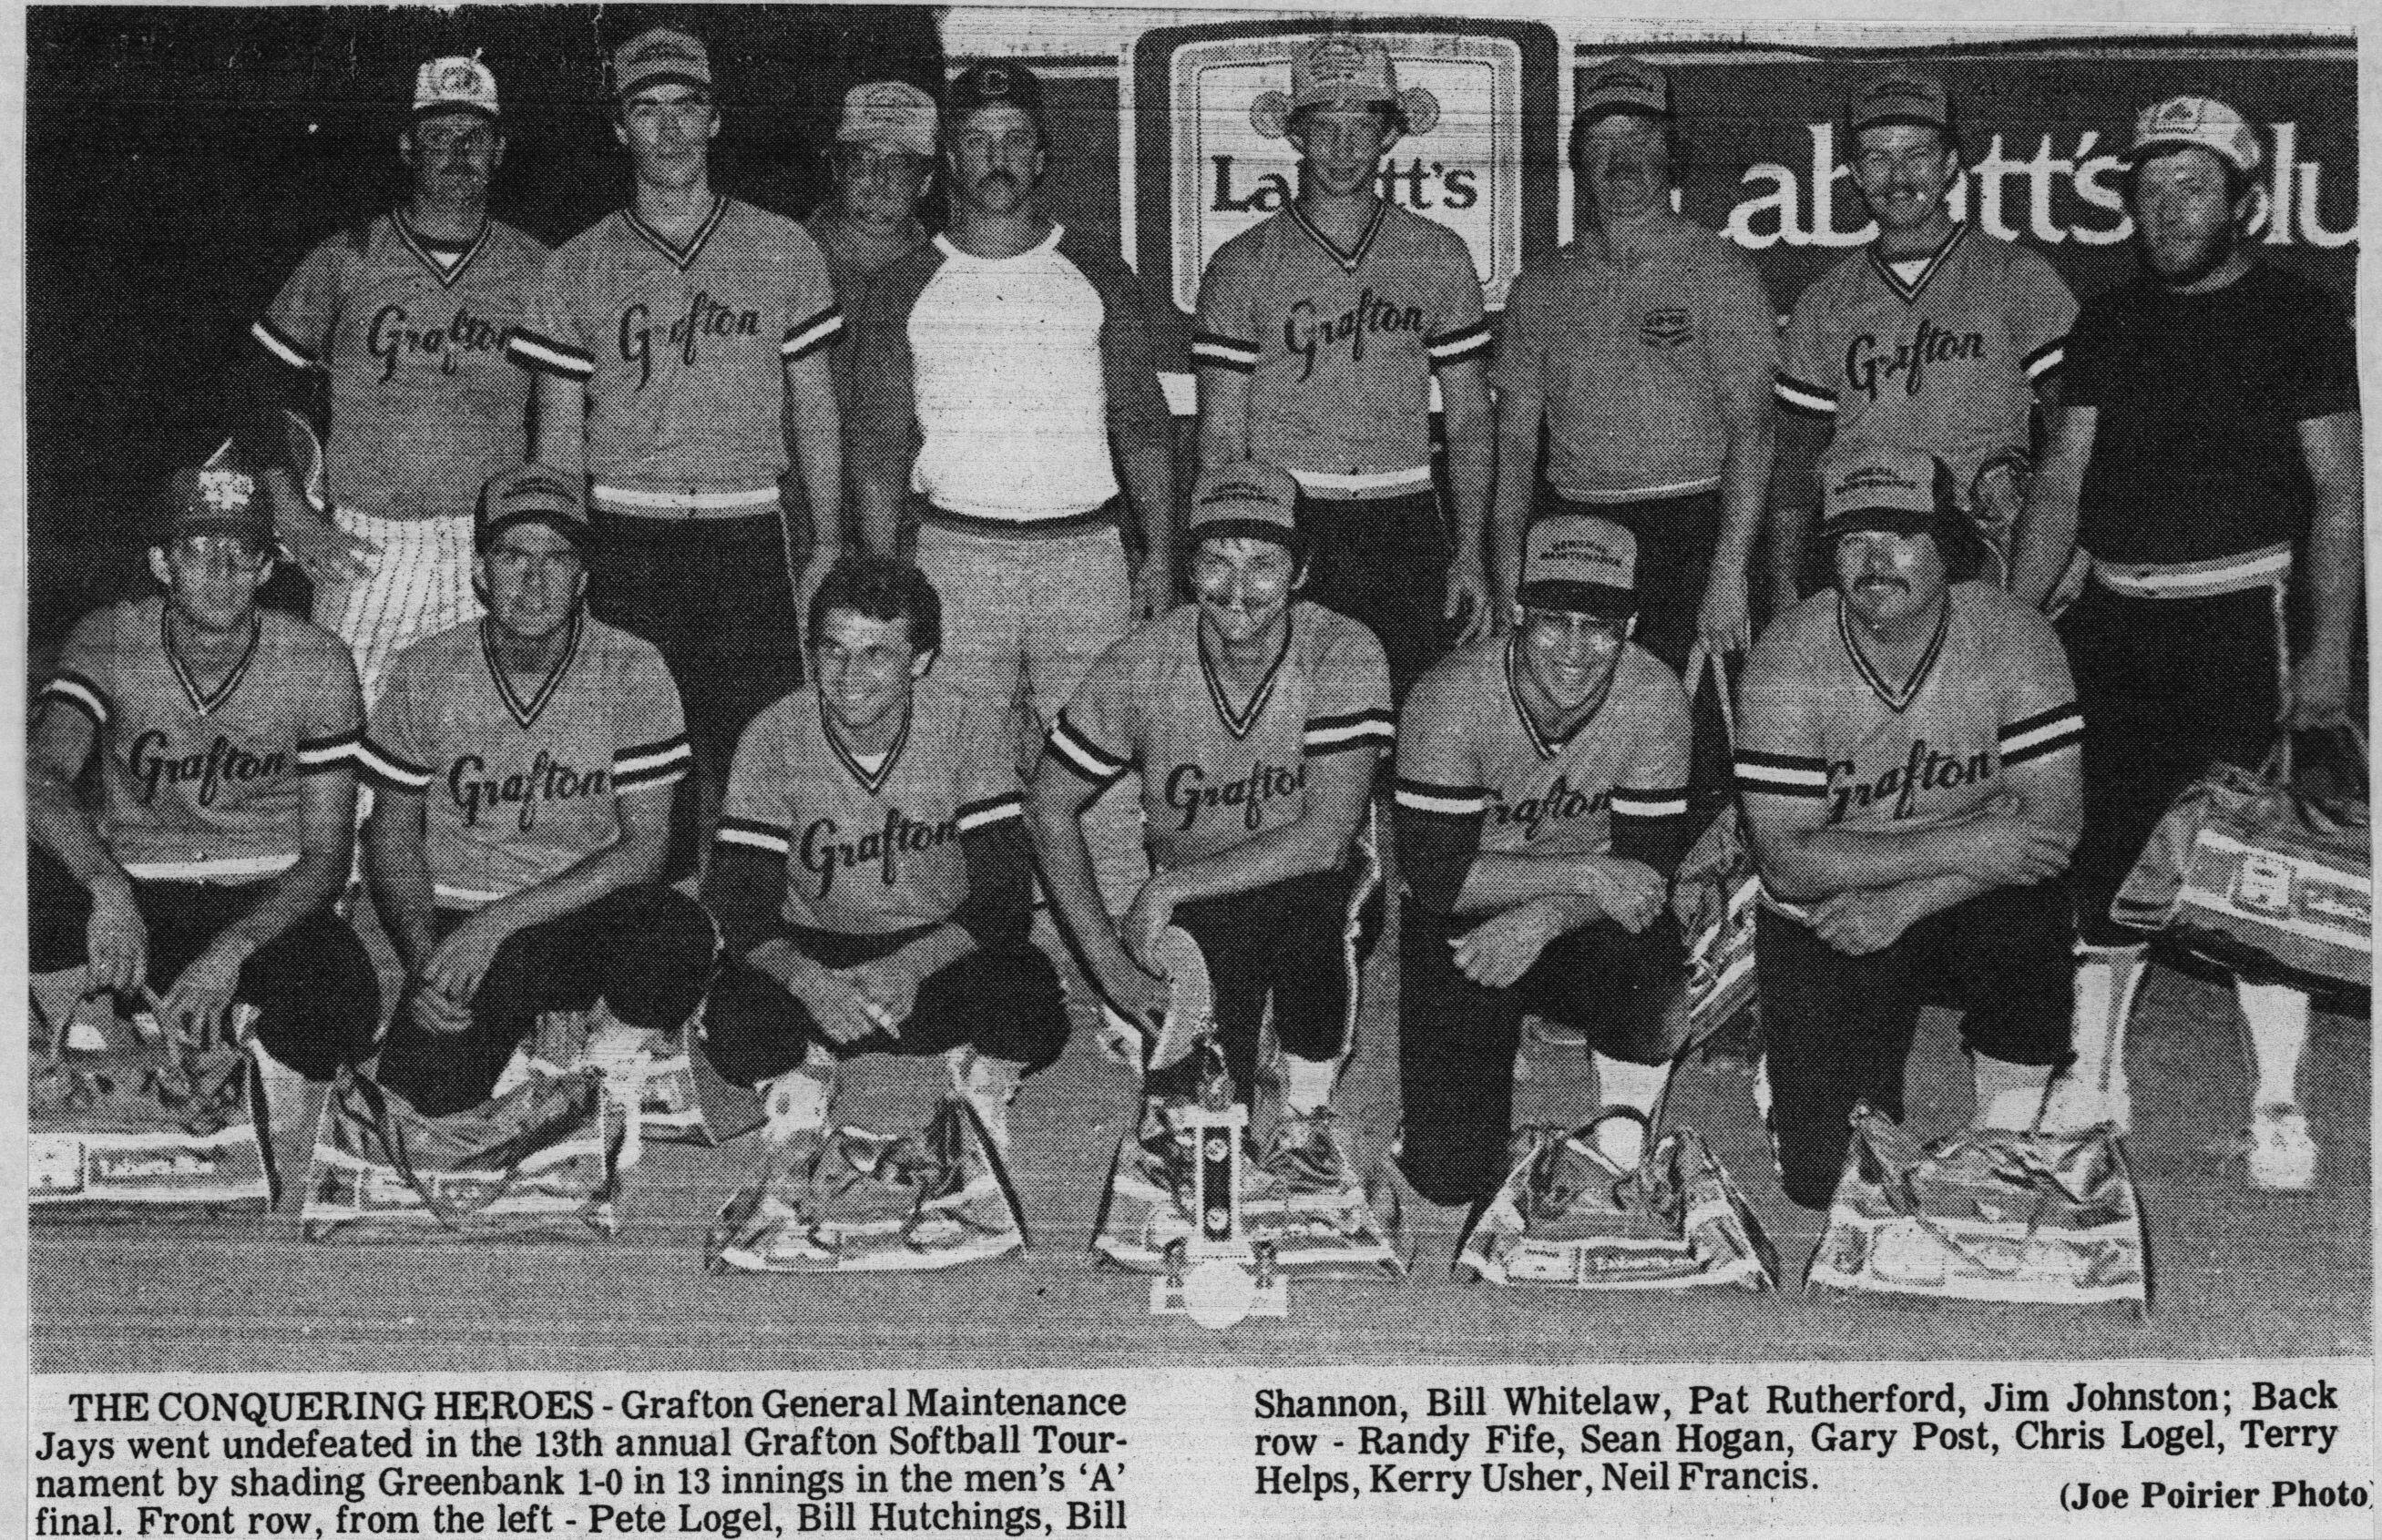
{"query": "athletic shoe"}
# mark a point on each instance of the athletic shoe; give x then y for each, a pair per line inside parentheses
(2076, 1107)
(2282, 1152)
(989, 1086)
(1304, 1153)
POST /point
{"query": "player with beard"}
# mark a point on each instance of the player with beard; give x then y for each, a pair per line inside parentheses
(2211, 429)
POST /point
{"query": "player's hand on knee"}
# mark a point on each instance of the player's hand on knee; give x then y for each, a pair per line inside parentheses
(1860, 921)
(890, 991)
(115, 943)
(841, 1009)
(1134, 995)
(457, 965)
(1630, 892)
(1498, 951)
(435, 1012)
(2013, 851)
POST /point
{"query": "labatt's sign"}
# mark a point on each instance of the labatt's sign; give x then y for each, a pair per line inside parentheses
(1465, 172)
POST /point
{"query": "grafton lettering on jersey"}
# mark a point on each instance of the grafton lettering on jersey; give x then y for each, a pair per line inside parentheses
(1871, 366)
(393, 335)
(1419, 185)
(705, 317)
(823, 854)
(1190, 793)
(1924, 769)
(1303, 334)
(1559, 803)
(153, 764)
(547, 779)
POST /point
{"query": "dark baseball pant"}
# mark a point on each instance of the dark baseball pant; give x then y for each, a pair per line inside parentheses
(645, 951)
(1456, 1039)
(1384, 561)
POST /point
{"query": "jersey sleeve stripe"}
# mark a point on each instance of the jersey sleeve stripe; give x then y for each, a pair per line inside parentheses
(1328, 734)
(1443, 801)
(82, 694)
(805, 338)
(652, 765)
(1636, 801)
(753, 836)
(2046, 733)
(1798, 396)
(1463, 342)
(1223, 353)
(991, 811)
(1781, 774)
(273, 341)
(2047, 359)
(384, 768)
(1082, 756)
(529, 348)
(316, 755)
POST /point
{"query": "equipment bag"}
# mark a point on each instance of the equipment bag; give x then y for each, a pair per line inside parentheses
(1714, 897)
(651, 1072)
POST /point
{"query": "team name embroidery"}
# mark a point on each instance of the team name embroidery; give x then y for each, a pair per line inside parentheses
(1188, 793)
(223, 761)
(1868, 370)
(823, 854)
(705, 317)
(1559, 801)
(545, 780)
(1303, 334)
(1924, 770)
(393, 336)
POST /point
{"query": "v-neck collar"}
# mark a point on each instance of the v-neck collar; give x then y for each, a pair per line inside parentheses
(1547, 747)
(1348, 259)
(205, 702)
(1238, 723)
(871, 781)
(526, 712)
(1909, 291)
(678, 257)
(1896, 700)
(448, 275)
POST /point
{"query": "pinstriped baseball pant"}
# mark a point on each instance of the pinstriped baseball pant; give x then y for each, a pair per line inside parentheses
(420, 584)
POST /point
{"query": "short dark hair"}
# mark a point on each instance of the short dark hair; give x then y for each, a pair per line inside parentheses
(1966, 556)
(1393, 114)
(2239, 183)
(879, 588)
(1675, 149)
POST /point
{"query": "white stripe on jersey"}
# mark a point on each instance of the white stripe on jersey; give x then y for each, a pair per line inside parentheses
(420, 584)
(77, 692)
(273, 343)
(985, 814)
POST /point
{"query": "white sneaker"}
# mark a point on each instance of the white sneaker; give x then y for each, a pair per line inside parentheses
(2076, 1107)
(991, 1084)
(2282, 1151)
(794, 1104)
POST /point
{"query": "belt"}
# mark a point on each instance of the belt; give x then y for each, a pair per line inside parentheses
(1354, 488)
(682, 505)
(2195, 579)
(1101, 517)
(1676, 492)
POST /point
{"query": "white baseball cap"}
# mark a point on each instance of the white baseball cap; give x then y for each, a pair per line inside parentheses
(2195, 122)
(454, 84)
(888, 112)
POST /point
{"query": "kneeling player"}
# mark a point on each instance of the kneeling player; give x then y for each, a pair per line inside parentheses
(1256, 719)
(871, 873)
(524, 763)
(1907, 755)
(1542, 790)
(227, 735)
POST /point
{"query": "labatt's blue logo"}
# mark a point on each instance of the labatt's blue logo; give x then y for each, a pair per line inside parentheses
(1420, 184)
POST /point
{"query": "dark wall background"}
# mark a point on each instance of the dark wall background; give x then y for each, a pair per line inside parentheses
(179, 162)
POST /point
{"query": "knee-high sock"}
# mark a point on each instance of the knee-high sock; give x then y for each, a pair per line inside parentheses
(2008, 1095)
(2277, 1015)
(1307, 1083)
(2108, 978)
(1621, 1083)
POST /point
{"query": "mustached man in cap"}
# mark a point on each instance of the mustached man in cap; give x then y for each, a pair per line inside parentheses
(1646, 349)
(407, 320)
(226, 738)
(1318, 334)
(523, 765)
(2211, 431)
(1935, 337)
(1256, 718)
(1541, 798)
(682, 352)
(883, 160)
(1908, 760)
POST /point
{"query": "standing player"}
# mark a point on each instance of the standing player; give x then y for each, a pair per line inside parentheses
(1318, 334)
(1541, 798)
(871, 875)
(227, 737)
(407, 317)
(1256, 719)
(883, 160)
(2212, 425)
(524, 764)
(1906, 751)
(676, 343)
(1936, 338)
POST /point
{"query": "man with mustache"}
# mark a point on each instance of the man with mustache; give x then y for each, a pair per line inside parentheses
(408, 319)
(523, 765)
(1906, 760)
(2209, 454)
(1934, 337)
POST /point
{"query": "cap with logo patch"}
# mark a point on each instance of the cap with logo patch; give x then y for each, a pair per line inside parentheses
(1900, 96)
(2195, 123)
(454, 84)
(534, 494)
(1900, 491)
(220, 496)
(888, 112)
(662, 57)
(1342, 70)
(998, 84)
(1625, 84)
(1250, 500)
(1583, 564)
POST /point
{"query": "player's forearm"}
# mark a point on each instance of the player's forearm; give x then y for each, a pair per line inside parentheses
(304, 889)
(1149, 482)
(1471, 457)
(784, 964)
(815, 443)
(2047, 525)
(1053, 806)
(1820, 863)
(1312, 843)
(1224, 417)
(1744, 487)
(593, 877)
(1498, 882)
(397, 866)
(927, 955)
(1794, 502)
(1933, 895)
(560, 439)
(1517, 489)
(56, 823)
(2336, 569)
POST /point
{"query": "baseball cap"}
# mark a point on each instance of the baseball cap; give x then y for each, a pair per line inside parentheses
(888, 112)
(1901, 492)
(454, 84)
(996, 84)
(1342, 70)
(219, 496)
(1581, 563)
(663, 55)
(2195, 122)
(534, 493)
(1625, 84)
(1900, 95)
(1249, 499)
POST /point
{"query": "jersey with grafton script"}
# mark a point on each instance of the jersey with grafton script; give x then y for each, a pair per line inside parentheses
(1991, 692)
(683, 349)
(1946, 361)
(204, 785)
(425, 406)
(1217, 771)
(517, 790)
(1339, 345)
(871, 850)
(1468, 749)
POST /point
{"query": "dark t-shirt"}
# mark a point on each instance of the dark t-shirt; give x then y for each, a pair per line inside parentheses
(2196, 451)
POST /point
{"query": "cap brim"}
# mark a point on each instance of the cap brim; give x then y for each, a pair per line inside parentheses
(1580, 598)
(256, 529)
(1900, 120)
(662, 77)
(1902, 522)
(579, 531)
(1232, 527)
(449, 109)
(2138, 153)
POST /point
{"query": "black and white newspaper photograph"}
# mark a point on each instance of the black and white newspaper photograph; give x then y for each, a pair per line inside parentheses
(1111, 771)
